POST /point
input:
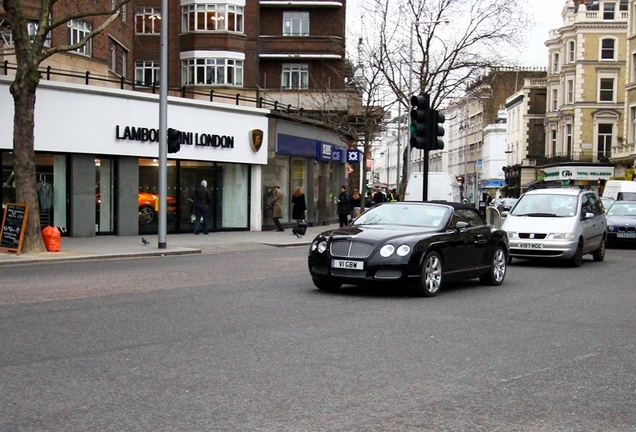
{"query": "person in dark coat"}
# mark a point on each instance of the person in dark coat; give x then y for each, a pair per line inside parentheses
(202, 199)
(344, 206)
(299, 204)
(378, 196)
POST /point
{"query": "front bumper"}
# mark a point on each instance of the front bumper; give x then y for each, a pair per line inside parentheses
(542, 249)
(375, 271)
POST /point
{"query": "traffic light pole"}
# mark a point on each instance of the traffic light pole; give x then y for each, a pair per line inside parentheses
(163, 131)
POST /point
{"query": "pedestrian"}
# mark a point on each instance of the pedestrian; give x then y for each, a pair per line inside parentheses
(276, 204)
(299, 204)
(368, 201)
(378, 196)
(355, 203)
(202, 199)
(393, 196)
(344, 206)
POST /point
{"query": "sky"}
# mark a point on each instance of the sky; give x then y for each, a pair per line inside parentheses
(545, 13)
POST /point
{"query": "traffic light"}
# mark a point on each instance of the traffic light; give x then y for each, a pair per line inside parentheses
(420, 113)
(173, 140)
(436, 119)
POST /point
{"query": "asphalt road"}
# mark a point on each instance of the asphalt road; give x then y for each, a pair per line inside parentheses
(243, 342)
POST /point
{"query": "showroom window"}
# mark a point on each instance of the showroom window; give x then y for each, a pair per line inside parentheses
(212, 71)
(295, 23)
(147, 73)
(295, 76)
(77, 30)
(148, 21)
(212, 17)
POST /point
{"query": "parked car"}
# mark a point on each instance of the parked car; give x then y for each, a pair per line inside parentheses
(621, 222)
(422, 244)
(505, 204)
(607, 202)
(557, 223)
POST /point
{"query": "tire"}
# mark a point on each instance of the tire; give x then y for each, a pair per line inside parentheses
(431, 276)
(577, 258)
(326, 285)
(599, 254)
(498, 265)
(146, 214)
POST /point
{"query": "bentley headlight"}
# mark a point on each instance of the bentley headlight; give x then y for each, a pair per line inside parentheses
(561, 236)
(322, 246)
(387, 250)
(314, 245)
(403, 250)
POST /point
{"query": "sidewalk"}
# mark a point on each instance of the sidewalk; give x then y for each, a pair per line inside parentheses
(103, 247)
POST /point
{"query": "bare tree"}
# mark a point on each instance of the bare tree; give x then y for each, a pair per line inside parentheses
(441, 46)
(30, 51)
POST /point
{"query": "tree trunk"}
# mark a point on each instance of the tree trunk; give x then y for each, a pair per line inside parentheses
(23, 91)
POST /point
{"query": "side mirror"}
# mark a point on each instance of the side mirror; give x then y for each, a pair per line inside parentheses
(588, 215)
(460, 225)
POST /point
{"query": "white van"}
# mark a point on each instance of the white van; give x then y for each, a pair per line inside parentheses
(441, 187)
(620, 190)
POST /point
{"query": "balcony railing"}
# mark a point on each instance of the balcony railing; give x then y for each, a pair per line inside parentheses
(588, 157)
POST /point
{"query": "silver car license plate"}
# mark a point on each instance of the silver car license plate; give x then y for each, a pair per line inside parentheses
(347, 264)
(531, 245)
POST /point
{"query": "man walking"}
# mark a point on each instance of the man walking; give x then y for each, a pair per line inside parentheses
(202, 200)
(276, 204)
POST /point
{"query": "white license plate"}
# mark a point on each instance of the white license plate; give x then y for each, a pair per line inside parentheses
(531, 246)
(626, 235)
(346, 264)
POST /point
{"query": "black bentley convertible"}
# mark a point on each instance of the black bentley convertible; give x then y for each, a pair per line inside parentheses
(419, 244)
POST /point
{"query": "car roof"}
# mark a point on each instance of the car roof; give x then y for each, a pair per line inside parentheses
(557, 191)
(446, 203)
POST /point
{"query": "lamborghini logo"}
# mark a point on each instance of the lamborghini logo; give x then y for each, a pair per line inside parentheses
(256, 139)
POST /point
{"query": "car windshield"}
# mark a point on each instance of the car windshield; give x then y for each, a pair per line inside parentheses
(622, 209)
(417, 215)
(546, 205)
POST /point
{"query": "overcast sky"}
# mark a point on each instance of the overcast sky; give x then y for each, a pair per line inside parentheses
(546, 14)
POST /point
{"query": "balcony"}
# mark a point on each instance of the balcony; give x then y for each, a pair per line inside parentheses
(584, 156)
(325, 47)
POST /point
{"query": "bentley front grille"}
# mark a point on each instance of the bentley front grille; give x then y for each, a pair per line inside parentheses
(350, 249)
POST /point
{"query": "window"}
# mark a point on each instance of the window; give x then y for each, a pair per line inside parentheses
(568, 140)
(607, 49)
(606, 90)
(295, 76)
(212, 17)
(608, 10)
(570, 91)
(604, 150)
(632, 123)
(148, 21)
(212, 71)
(118, 58)
(555, 99)
(555, 63)
(77, 30)
(147, 73)
(113, 5)
(295, 23)
(633, 67)
(571, 51)
(553, 141)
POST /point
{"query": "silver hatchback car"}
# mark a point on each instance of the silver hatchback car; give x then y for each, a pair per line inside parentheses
(557, 223)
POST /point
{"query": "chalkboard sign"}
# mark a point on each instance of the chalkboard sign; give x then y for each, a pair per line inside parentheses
(13, 227)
